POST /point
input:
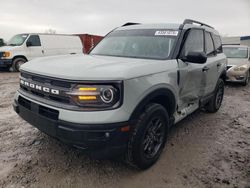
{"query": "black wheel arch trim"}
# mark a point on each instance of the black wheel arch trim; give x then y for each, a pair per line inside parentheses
(19, 56)
(169, 104)
(223, 75)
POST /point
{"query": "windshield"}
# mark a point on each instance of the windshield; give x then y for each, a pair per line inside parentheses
(146, 44)
(17, 40)
(235, 52)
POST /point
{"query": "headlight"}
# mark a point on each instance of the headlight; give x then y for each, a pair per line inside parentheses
(5, 54)
(97, 96)
(241, 68)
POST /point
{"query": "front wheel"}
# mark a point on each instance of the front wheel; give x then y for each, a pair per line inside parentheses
(17, 64)
(148, 137)
(215, 103)
(245, 83)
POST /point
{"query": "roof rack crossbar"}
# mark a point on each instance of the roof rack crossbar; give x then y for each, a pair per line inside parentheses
(130, 23)
(189, 21)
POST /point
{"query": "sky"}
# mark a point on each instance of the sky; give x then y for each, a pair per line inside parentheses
(229, 17)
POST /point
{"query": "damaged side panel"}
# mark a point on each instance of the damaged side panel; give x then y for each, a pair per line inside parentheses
(193, 83)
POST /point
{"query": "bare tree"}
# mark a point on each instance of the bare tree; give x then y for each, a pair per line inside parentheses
(50, 31)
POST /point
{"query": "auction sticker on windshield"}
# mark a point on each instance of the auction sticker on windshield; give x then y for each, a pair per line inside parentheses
(166, 33)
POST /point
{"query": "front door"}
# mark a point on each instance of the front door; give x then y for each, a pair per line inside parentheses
(212, 64)
(193, 80)
(34, 48)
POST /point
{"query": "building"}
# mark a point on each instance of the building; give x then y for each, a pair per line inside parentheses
(245, 40)
(238, 40)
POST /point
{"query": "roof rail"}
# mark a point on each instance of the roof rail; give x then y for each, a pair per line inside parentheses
(189, 21)
(130, 23)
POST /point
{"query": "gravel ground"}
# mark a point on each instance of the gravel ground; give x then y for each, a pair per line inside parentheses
(204, 150)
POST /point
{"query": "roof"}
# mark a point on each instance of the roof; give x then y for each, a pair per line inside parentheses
(171, 26)
(44, 34)
(150, 26)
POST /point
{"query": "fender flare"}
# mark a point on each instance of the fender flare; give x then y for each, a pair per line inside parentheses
(160, 93)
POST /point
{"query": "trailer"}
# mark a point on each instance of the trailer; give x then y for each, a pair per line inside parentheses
(89, 41)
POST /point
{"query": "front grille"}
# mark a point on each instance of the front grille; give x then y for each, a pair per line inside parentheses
(24, 102)
(48, 112)
(42, 110)
(43, 80)
(62, 86)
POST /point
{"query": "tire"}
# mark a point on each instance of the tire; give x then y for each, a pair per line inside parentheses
(17, 63)
(215, 103)
(245, 83)
(148, 137)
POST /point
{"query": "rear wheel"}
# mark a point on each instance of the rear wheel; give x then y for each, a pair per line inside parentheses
(215, 103)
(148, 137)
(17, 64)
(245, 83)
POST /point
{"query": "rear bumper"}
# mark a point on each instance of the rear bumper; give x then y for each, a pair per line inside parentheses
(5, 63)
(99, 141)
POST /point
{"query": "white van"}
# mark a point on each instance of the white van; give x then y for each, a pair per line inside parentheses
(25, 47)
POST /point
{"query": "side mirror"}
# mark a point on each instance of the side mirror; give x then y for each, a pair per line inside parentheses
(28, 43)
(196, 57)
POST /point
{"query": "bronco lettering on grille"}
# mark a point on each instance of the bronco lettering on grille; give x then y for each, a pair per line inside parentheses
(39, 87)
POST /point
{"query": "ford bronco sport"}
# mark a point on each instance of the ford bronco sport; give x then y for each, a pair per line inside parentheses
(122, 98)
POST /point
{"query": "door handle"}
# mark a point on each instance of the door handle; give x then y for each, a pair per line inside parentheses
(205, 69)
(219, 64)
(43, 51)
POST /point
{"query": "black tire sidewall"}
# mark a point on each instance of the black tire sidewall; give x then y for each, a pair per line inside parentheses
(247, 79)
(15, 64)
(137, 154)
(211, 106)
(220, 82)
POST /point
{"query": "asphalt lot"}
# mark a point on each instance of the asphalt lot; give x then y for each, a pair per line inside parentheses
(204, 150)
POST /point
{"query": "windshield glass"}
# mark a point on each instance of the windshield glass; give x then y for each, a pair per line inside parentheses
(235, 52)
(17, 40)
(142, 43)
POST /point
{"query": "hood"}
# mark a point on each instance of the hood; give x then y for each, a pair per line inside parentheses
(93, 67)
(8, 48)
(237, 61)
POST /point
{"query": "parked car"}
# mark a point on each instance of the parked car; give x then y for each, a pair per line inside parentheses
(122, 98)
(25, 47)
(238, 69)
(2, 42)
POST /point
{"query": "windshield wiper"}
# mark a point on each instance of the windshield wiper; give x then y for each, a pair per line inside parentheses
(11, 44)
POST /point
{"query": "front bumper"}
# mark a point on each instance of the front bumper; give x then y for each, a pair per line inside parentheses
(99, 141)
(233, 76)
(5, 63)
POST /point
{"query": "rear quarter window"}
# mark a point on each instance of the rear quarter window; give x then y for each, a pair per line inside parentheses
(217, 43)
(209, 44)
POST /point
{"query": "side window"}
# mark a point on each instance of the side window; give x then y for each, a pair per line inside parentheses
(217, 43)
(194, 42)
(34, 40)
(209, 44)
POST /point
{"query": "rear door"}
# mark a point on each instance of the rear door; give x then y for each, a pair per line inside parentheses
(193, 79)
(34, 47)
(212, 64)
